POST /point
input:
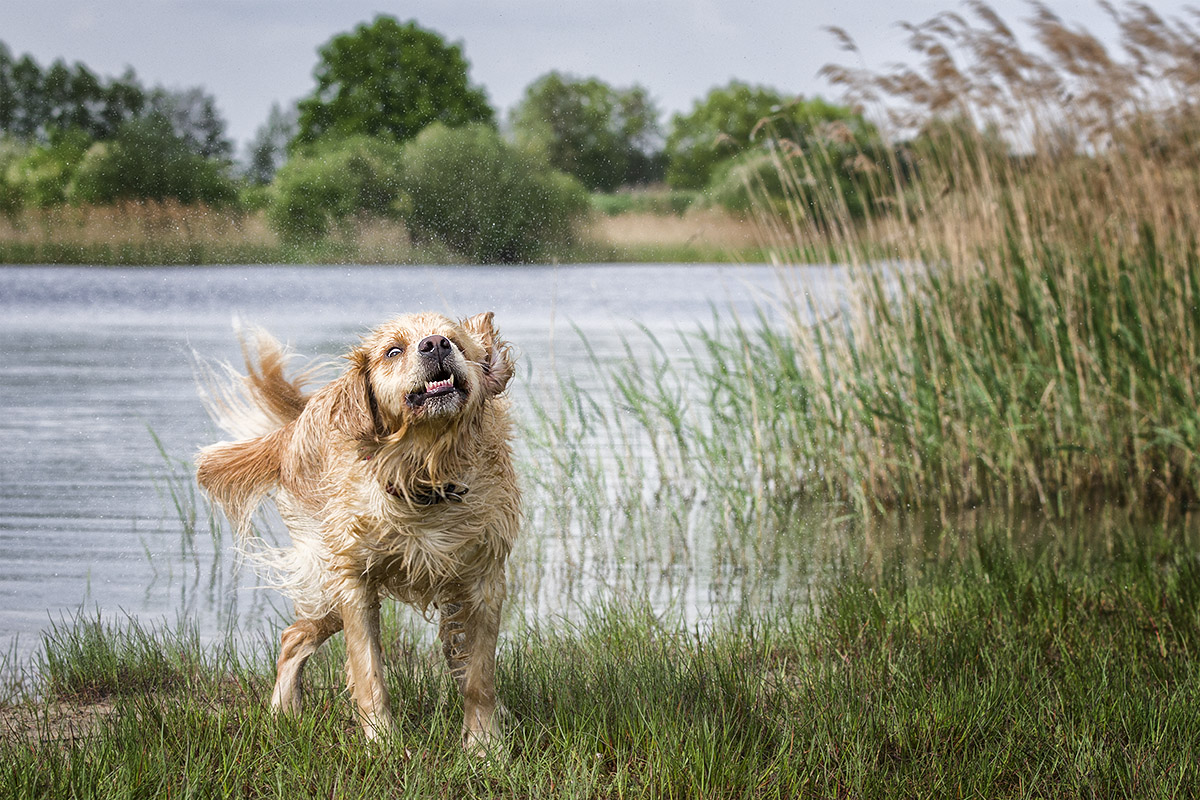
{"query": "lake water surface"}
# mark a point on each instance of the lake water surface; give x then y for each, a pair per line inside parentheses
(95, 363)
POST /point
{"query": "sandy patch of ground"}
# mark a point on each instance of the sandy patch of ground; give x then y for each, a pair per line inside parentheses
(58, 721)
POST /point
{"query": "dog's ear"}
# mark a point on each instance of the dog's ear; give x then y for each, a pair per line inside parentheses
(497, 359)
(353, 410)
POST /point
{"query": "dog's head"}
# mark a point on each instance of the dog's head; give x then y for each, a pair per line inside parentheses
(421, 370)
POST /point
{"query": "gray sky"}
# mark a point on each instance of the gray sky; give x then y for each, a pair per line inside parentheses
(249, 53)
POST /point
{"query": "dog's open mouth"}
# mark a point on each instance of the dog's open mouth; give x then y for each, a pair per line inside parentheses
(441, 386)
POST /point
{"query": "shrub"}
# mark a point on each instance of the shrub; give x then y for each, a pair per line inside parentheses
(147, 161)
(335, 182)
(11, 152)
(831, 182)
(485, 198)
(40, 178)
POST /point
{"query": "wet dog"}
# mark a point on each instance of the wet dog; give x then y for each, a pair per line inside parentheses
(395, 479)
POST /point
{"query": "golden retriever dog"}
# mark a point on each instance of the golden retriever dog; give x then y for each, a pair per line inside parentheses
(395, 479)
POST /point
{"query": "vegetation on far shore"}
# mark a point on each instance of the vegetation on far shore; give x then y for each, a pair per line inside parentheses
(167, 233)
(394, 140)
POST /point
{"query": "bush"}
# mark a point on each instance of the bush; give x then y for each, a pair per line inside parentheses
(11, 152)
(486, 199)
(41, 177)
(334, 182)
(603, 136)
(833, 181)
(147, 161)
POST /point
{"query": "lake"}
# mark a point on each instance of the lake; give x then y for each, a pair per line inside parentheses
(99, 413)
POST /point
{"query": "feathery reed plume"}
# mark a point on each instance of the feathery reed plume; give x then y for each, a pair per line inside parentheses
(1022, 328)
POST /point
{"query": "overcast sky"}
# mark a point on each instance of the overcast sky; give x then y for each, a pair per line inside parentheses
(249, 53)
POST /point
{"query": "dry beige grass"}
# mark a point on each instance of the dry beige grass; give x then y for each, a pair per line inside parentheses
(169, 232)
(380, 241)
(702, 228)
(172, 233)
(135, 223)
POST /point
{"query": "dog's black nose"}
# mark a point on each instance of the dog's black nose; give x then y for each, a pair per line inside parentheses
(434, 347)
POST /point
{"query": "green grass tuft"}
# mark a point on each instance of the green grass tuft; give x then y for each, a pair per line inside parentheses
(1008, 670)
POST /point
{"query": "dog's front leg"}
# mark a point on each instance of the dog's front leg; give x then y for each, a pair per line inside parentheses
(364, 661)
(477, 678)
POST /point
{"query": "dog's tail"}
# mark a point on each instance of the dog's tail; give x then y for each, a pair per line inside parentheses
(260, 401)
(238, 475)
(254, 408)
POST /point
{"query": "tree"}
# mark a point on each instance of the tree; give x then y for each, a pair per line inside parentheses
(146, 160)
(812, 159)
(41, 177)
(38, 105)
(194, 119)
(121, 100)
(730, 120)
(8, 100)
(267, 151)
(603, 136)
(389, 79)
(485, 198)
(28, 101)
(335, 182)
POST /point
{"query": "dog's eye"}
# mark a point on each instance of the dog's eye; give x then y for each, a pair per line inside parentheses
(394, 351)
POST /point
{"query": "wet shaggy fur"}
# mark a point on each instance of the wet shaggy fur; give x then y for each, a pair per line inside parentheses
(394, 479)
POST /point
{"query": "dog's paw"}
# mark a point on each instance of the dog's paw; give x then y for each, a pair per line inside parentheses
(485, 746)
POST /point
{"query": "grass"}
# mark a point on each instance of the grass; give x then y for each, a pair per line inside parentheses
(1017, 329)
(167, 233)
(701, 235)
(1007, 670)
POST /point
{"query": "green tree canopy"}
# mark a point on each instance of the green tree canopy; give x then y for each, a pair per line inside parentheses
(603, 136)
(41, 105)
(334, 183)
(146, 160)
(267, 151)
(37, 103)
(194, 119)
(485, 198)
(729, 121)
(389, 79)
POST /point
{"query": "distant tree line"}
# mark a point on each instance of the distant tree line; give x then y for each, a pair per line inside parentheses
(72, 136)
(395, 128)
(40, 104)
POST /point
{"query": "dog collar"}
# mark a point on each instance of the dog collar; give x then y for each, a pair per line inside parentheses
(446, 493)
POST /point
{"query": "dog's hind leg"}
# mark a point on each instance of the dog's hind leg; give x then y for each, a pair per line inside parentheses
(297, 644)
